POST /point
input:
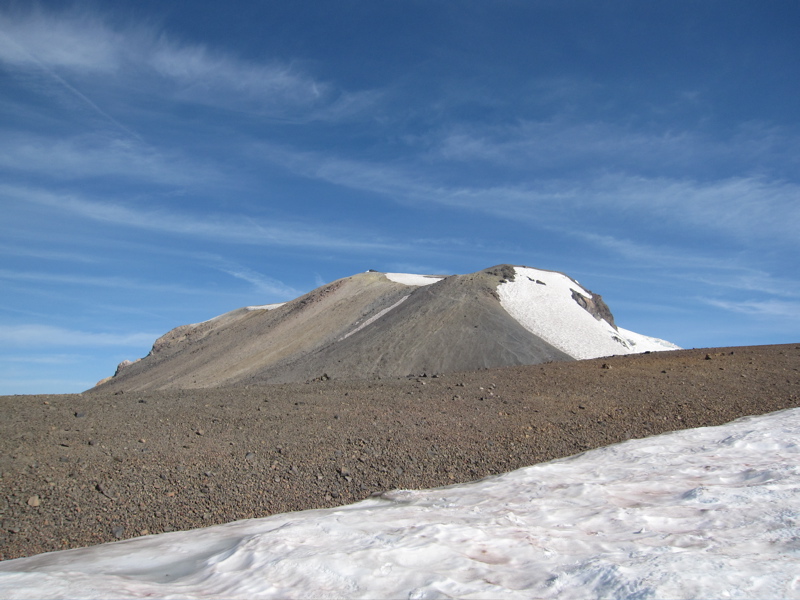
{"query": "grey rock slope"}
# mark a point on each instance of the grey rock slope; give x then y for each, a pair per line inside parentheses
(357, 327)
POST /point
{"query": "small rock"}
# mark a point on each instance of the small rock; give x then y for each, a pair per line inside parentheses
(200, 432)
(250, 456)
(80, 415)
(118, 532)
(34, 501)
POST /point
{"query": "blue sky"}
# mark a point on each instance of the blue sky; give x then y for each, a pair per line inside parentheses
(164, 162)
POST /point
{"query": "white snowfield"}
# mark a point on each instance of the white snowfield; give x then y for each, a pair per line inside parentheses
(541, 301)
(412, 279)
(702, 513)
(266, 306)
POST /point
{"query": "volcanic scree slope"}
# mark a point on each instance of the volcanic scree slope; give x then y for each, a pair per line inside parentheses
(385, 324)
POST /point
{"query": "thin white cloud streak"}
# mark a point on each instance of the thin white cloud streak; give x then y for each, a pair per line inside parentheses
(15, 52)
(765, 308)
(215, 78)
(686, 264)
(728, 272)
(84, 45)
(744, 208)
(95, 157)
(94, 281)
(748, 208)
(554, 143)
(754, 280)
(74, 41)
(228, 228)
(561, 143)
(56, 255)
(262, 283)
(44, 336)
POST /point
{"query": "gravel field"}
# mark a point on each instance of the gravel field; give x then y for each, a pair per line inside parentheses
(83, 469)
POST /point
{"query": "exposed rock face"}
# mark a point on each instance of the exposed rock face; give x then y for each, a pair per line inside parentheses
(364, 326)
(595, 306)
(125, 364)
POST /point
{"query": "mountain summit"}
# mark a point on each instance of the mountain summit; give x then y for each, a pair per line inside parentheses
(389, 324)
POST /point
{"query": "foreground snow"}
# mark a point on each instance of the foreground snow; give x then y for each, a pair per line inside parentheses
(711, 512)
(541, 301)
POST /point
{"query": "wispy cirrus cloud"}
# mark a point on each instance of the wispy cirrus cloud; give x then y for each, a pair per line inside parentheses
(561, 142)
(744, 207)
(83, 46)
(95, 156)
(47, 254)
(765, 308)
(261, 283)
(77, 41)
(223, 227)
(106, 281)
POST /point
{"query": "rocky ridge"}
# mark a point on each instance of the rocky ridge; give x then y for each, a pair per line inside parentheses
(364, 326)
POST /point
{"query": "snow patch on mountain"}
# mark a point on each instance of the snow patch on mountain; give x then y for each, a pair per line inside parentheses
(644, 343)
(700, 513)
(412, 279)
(543, 302)
(374, 318)
(266, 306)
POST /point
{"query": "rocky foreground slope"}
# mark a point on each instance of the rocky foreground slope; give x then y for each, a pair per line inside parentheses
(82, 469)
(382, 324)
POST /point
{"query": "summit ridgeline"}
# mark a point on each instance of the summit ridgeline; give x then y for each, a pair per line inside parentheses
(387, 325)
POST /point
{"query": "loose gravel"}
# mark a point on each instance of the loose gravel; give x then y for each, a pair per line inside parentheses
(83, 469)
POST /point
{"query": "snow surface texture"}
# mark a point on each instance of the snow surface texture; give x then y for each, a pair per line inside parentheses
(542, 303)
(412, 279)
(701, 513)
